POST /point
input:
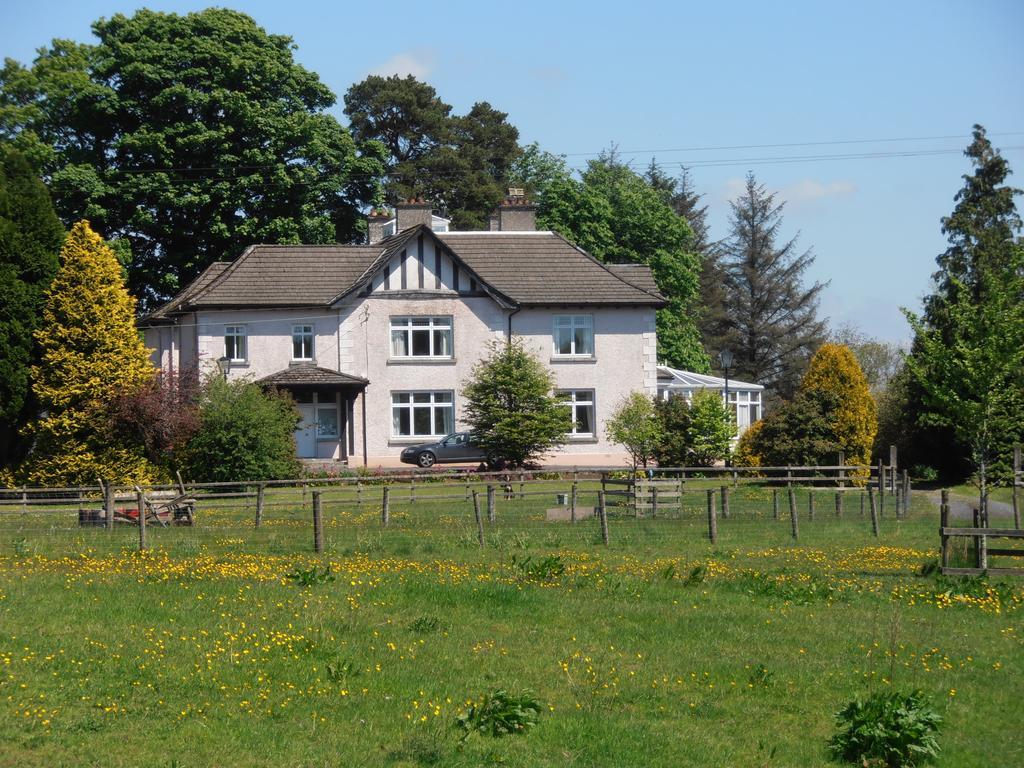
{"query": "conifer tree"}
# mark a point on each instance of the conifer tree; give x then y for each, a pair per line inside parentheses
(30, 238)
(91, 353)
(834, 371)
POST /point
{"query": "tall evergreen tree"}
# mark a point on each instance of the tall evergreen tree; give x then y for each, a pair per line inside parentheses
(91, 353)
(186, 138)
(460, 163)
(772, 325)
(30, 239)
(967, 361)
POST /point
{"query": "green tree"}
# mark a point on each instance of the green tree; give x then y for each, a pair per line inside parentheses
(634, 225)
(90, 353)
(510, 406)
(968, 355)
(635, 426)
(694, 433)
(879, 360)
(460, 163)
(244, 434)
(797, 432)
(188, 137)
(834, 371)
(772, 325)
(30, 240)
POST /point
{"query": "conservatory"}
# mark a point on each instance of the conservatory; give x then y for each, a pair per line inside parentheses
(745, 400)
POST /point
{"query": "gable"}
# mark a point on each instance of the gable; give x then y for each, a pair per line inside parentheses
(423, 264)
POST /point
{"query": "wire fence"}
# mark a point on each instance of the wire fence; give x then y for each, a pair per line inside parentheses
(433, 512)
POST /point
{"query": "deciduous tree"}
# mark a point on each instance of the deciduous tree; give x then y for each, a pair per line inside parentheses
(634, 425)
(91, 353)
(30, 239)
(187, 138)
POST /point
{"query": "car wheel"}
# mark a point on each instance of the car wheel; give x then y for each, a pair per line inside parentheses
(425, 459)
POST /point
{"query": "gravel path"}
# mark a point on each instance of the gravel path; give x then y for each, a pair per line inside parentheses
(961, 508)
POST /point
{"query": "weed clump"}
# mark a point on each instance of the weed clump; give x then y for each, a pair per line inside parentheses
(500, 713)
(887, 730)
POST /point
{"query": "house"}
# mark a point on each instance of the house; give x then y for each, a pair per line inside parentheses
(375, 341)
(744, 399)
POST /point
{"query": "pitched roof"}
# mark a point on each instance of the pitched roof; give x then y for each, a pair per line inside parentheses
(545, 268)
(307, 374)
(677, 379)
(194, 288)
(528, 268)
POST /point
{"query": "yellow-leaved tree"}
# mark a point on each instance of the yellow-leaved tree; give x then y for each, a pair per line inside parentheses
(835, 377)
(91, 352)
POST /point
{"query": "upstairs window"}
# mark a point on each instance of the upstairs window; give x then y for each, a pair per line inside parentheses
(574, 336)
(421, 337)
(234, 343)
(302, 342)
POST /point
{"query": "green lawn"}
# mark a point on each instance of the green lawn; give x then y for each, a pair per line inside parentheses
(659, 650)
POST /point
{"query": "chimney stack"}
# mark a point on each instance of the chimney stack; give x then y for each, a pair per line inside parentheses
(375, 224)
(413, 212)
(515, 213)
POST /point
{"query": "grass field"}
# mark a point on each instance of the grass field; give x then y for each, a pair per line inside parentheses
(659, 650)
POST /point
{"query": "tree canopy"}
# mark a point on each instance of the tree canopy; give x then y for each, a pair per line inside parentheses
(459, 163)
(30, 239)
(835, 372)
(185, 138)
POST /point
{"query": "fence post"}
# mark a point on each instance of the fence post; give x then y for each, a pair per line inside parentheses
(572, 501)
(725, 502)
(712, 518)
(385, 508)
(976, 522)
(794, 521)
(492, 514)
(943, 525)
(892, 468)
(318, 523)
(412, 489)
(108, 504)
(905, 484)
(735, 478)
(522, 484)
(467, 489)
(842, 472)
(24, 501)
(359, 492)
(603, 516)
(839, 503)
(654, 501)
(881, 478)
(862, 503)
(260, 490)
(1017, 480)
(874, 510)
(983, 544)
(810, 504)
(479, 520)
(775, 503)
(140, 497)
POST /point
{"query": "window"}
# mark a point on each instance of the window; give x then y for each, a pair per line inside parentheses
(327, 422)
(581, 406)
(234, 343)
(422, 414)
(302, 342)
(574, 335)
(421, 337)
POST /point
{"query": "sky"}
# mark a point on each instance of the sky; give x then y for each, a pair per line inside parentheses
(717, 87)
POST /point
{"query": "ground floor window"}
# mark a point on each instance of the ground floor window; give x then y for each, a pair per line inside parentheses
(581, 406)
(422, 414)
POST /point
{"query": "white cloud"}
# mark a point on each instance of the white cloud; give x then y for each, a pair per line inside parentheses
(418, 62)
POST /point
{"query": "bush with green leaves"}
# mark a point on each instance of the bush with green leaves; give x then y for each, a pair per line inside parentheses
(694, 433)
(500, 713)
(888, 729)
(244, 433)
(635, 426)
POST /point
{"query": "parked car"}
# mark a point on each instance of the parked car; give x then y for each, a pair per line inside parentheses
(456, 448)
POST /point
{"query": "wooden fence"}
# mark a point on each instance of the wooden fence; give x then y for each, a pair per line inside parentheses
(979, 534)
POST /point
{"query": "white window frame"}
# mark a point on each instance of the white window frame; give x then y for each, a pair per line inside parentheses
(571, 323)
(299, 334)
(435, 324)
(236, 332)
(577, 399)
(432, 404)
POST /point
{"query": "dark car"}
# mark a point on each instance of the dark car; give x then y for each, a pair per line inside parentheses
(457, 448)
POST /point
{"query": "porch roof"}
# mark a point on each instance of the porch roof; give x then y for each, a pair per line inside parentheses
(309, 375)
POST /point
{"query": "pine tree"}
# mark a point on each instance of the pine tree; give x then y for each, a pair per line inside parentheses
(772, 325)
(967, 361)
(30, 238)
(91, 353)
(834, 370)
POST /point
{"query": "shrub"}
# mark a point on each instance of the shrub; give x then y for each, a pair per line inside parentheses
(500, 713)
(244, 434)
(745, 454)
(797, 432)
(695, 433)
(853, 418)
(887, 730)
(635, 426)
(161, 417)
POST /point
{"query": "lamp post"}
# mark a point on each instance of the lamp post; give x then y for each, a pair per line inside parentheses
(224, 365)
(726, 358)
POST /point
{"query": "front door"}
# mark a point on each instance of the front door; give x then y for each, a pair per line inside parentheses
(305, 433)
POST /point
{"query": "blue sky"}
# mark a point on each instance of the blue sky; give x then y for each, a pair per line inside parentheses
(690, 83)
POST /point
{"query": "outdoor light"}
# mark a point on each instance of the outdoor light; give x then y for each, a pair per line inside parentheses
(725, 356)
(223, 365)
